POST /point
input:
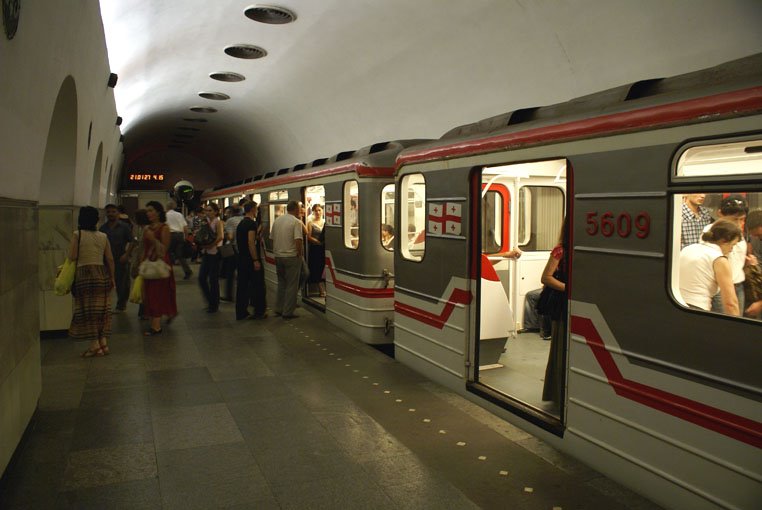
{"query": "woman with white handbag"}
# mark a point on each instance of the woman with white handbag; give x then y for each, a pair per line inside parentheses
(159, 294)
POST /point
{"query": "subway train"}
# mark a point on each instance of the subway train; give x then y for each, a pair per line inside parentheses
(659, 395)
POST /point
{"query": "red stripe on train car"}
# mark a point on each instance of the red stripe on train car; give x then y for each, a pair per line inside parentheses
(457, 297)
(739, 102)
(728, 424)
(355, 289)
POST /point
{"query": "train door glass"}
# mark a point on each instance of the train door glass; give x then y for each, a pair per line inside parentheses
(514, 345)
(387, 217)
(351, 214)
(707, 225)
(314, 287)
(413, 217)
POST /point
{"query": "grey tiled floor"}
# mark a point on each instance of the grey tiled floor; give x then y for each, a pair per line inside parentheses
(294, 414)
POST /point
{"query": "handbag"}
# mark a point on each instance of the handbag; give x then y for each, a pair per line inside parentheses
(136, 292)
(65, 278)
(553, 302)
(154, 269)
(67, 273)
(227, 250)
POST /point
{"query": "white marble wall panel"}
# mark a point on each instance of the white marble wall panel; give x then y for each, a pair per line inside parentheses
(20, 379)
(56, 224)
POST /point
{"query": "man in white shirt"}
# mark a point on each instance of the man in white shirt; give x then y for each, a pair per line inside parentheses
(178, 229)
(288, 246)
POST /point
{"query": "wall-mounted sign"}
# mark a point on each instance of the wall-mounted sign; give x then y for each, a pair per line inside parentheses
(145, 177)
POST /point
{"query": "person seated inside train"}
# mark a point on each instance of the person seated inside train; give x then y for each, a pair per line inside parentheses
(534, 322)
(704, 268)
(387, 236)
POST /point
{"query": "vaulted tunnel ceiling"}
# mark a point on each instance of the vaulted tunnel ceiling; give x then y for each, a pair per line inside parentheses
(348, 73)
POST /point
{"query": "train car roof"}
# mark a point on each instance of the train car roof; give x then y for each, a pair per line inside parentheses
(728, 88)
(375, 160)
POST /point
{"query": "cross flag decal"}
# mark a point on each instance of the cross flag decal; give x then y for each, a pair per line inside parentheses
(333, 214)
(444, 218)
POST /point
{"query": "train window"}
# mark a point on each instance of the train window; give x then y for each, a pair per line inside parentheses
(256, 197)
(278, 195)
(275, 211)
(732, 158)
(351, 215)
(413, 217)
(492, 222)
(313, 195)
(387, 217)
(540, 214)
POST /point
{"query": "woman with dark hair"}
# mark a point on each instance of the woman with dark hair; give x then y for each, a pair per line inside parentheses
(209, 273)
(705, 269)
(555, 276)
(158, 295)
(316, 249)
(92, 284)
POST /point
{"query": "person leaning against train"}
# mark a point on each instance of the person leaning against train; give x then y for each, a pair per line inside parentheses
(704, 268)
(288, 247)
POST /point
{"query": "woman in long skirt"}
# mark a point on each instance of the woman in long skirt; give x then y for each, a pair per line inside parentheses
(159, 296)
(92, 286)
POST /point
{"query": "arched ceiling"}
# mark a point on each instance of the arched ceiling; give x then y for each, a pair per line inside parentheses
(348, 73)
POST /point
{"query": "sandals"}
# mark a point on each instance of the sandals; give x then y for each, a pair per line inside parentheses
(152, 332)
(91, 353)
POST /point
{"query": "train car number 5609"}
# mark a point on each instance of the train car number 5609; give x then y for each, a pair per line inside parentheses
(622, 225)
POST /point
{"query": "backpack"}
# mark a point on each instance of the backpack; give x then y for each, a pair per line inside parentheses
(205, 235)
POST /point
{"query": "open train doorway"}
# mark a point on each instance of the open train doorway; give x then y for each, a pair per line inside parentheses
(520, 358)
(314, 290)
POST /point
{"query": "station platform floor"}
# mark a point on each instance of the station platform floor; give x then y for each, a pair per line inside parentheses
(273, 414)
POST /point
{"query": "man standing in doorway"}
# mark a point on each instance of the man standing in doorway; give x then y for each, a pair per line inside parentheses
(178, 229)
(119, 237)
(287, 231)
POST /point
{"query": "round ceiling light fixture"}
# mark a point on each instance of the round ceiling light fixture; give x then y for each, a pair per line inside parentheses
(215, 96)
(227, 76)
(246, 51)
(270, 14)
(203, 109)
(195, 120)
(185, 128)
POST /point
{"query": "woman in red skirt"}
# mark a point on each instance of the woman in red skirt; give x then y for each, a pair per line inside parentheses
(158, 295)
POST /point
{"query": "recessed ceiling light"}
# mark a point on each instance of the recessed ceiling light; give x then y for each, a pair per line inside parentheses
(195, 120)
(246, 51)
(175, 146)
(182, 135)
(227, 76)
(203, 109)
(185, 128)
(270, 14)
(216, 96)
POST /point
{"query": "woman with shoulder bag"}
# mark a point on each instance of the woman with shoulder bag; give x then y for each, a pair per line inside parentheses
(554, 277)
(159, 295)
(92, 286)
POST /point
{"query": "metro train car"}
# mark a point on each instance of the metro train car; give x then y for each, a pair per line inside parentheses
(662, 396)
(655, 393)
(356, 190)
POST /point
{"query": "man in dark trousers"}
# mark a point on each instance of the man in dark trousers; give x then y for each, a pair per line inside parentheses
(251, 273)
(119, 237)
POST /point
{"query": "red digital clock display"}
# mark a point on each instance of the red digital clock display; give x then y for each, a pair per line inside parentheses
(146, 177)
